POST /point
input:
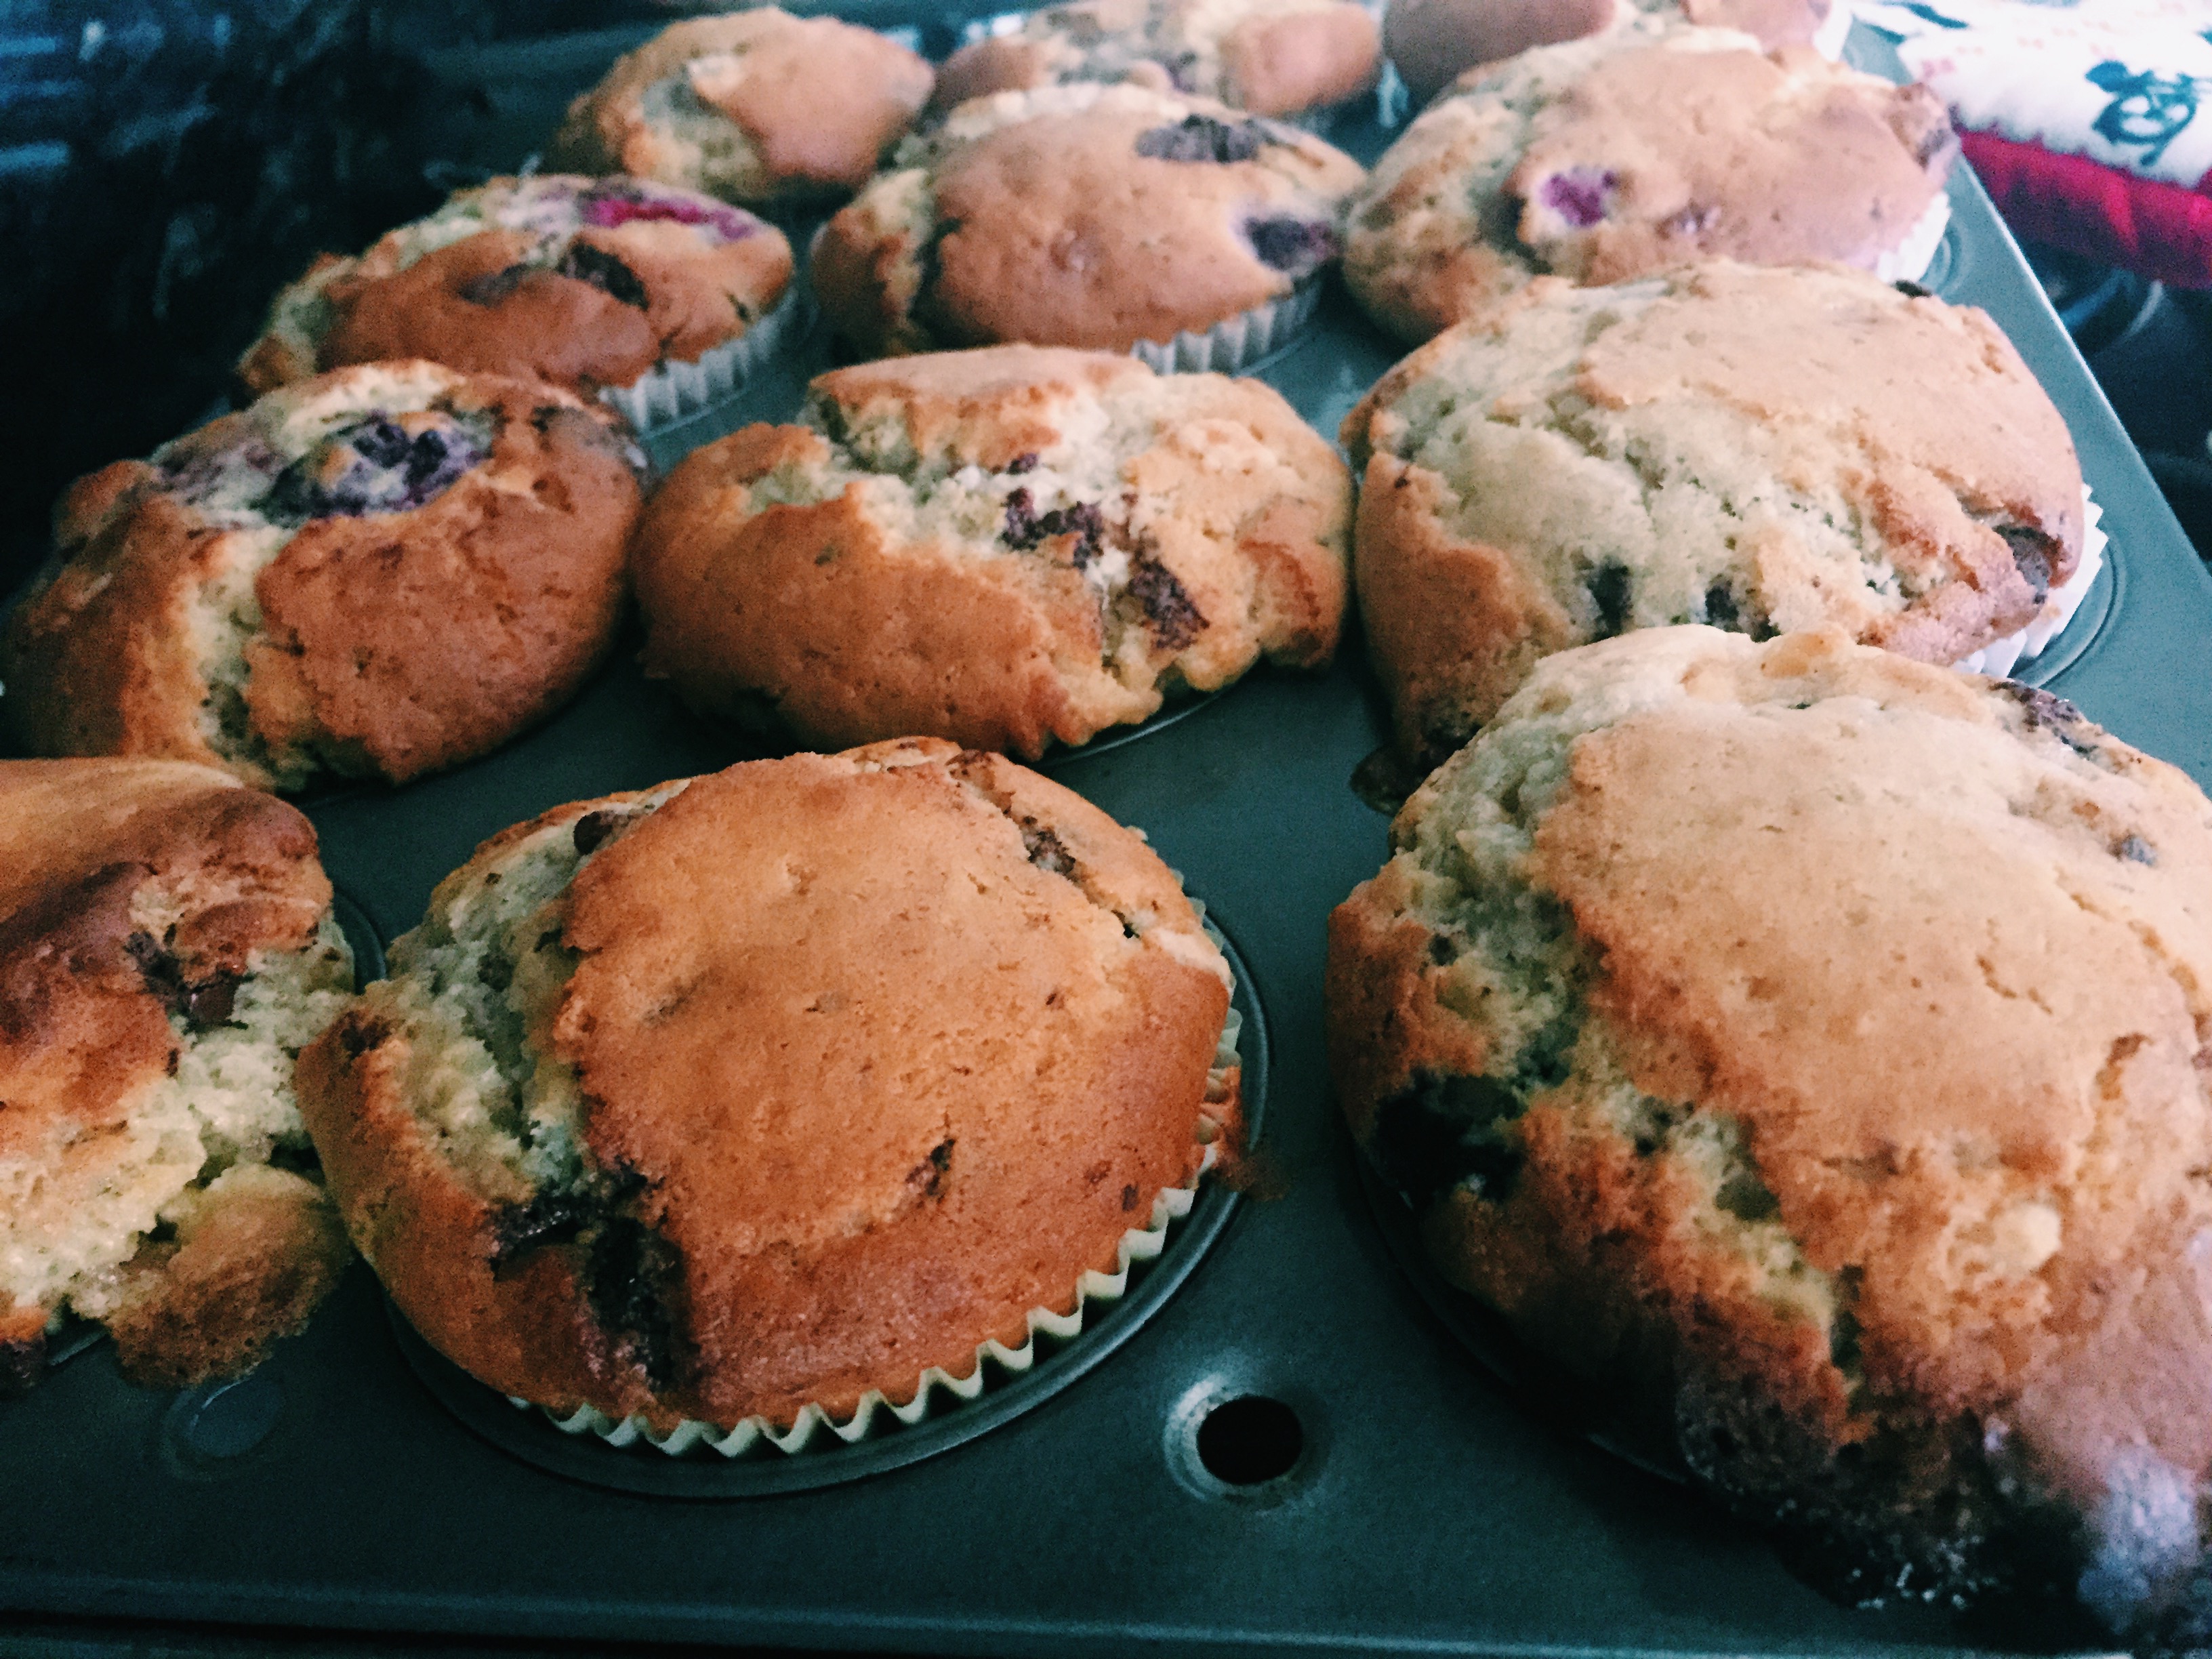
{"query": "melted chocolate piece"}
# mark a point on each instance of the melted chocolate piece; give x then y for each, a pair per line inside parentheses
(1046, 850)
(1167, 611)
(203, 1004)
(1026, 528)
(1202, 138)
(603, 271)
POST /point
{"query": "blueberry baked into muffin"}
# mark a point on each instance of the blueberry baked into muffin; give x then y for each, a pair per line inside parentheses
(377, 572)
(1640, 150)
(585, 283)
(167, 947)
(1005, 547)
(758, 108)
(1266, 57)
(1433, 42)
(1081, 215)
(1758, 449)
(774, 1088)
(1811, 1045)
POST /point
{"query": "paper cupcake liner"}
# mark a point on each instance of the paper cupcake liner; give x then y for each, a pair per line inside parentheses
(1998, 657)
(1137, 1244)
(676, 391)
(1908, 262)
(1231, 347)
(1835, 29)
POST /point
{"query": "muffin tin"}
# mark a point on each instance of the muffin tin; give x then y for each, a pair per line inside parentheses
(1293, 1450)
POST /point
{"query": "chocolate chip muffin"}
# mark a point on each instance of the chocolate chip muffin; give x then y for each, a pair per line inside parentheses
(758, 108)
(378, 571)
(166, 948)
(1812, 1045)
(1004, 547)
(1758, 449)
(1080, 216)
(1267, 57)
(585, 283)
(1641, 150)
(774, 1088)
(1433, 42)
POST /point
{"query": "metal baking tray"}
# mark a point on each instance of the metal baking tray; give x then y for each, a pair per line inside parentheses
(1436, 1503)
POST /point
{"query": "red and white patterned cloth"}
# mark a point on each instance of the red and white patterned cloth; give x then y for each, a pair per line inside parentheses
(2090, 123)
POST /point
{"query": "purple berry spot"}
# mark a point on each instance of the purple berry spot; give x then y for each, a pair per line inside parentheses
(1026, 527)
(1579, 195)
(373, 466)
(492, 287)
(603, 271)
(1298, 246)
(610, 208)
(1202, 138)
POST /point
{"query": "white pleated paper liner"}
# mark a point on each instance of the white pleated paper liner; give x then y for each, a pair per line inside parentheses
(676, 391)
(892, 1438)
(1912, 259)
(1231, 347)
(2000, 657)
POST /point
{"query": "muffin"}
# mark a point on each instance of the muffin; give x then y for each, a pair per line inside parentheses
(1810, 1045)
(1758, 449)
(1433, 42)
(588, 284)
(1641, 150)
(1267, 57)
(166, 948)
(1003, 547)
(758, 108)
(1081, 215)
(773, 1088)
(377, 572)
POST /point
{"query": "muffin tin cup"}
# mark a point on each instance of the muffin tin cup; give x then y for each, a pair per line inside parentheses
(2023, 649)
(1231, 347)
(677, 391)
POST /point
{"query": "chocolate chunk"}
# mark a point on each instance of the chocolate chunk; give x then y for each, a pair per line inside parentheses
(492, 287)
(603, 271)
(1720, 605)
(591, 830)
(359, 1032)
(210, 1003)
(1026, 527)
(1611, 588)
(1202, 138)
(1046, 850)
(2034, 552)
(1129, 1198)
(1174, 620)
(546, 1219)
(1441, 1131)
(203, 1003)
(1293, 245)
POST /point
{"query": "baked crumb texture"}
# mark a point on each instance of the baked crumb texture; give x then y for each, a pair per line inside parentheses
(771, 1089)
(1005, 547)
(583, 283)
(377, 572)
(1642, 149)
(1812, 1044)
(1761, 450)
(755, 107)
(167, 947)
(1080, 216)
(1267, 57)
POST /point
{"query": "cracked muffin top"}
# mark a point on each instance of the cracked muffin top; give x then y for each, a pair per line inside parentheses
(585, 282)
(1267, 57)
(1433, 42)
(1005, 547)
(755, 106)
(774, 1087)
(1815, 1044)
(166, 947)
(1080, 216)
(1653, 146)
(1758, 449)
(378, 571)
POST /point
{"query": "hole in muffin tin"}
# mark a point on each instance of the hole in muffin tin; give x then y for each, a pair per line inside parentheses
(640, 1468)
(1250, 1441)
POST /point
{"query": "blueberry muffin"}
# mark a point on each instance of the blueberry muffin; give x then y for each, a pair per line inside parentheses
(1641, 150)
(1267, 57)
(166, 948)
(774, 1088)
(1004, 547)
(758, 108)
(585, 282)
(1080, 216)
(378, 571)
(1758, 449)
(1433, 42)
(1811, 1045)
